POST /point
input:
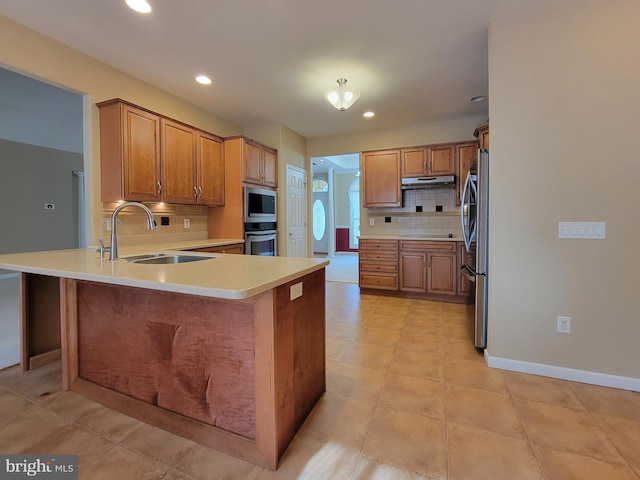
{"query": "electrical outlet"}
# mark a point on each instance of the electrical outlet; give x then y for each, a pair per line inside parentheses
(564, 324)
(372, 221)
(187, 223)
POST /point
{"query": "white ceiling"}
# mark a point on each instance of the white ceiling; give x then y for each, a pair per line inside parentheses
(414, 61)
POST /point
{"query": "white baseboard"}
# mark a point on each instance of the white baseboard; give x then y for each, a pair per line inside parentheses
(582, 376)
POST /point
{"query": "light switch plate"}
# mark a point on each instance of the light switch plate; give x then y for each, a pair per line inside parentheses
(584, 230)
(296, 291)
(187, 223)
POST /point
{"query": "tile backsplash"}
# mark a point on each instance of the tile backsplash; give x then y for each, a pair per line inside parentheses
(132, 223)
(406, 219)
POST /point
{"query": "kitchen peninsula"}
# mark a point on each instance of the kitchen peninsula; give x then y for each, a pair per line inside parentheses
(228, 351)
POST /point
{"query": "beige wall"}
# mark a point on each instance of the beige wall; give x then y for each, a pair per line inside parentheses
(423, 134)
(564, 106)
(40, 57)
(341, 184)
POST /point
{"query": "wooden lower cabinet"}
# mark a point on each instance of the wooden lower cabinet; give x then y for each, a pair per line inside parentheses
(415, 268)
(441, 274)
(233, 248)
(378, 264)
(413, 272)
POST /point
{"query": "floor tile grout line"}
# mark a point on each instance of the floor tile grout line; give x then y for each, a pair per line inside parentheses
(604, 432)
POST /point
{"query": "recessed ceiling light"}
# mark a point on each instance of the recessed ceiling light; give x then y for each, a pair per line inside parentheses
(203, 80)
(139, 5)
(368, 114)
(477, 98)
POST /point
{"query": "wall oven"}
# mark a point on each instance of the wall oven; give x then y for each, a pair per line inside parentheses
(260, 228)
(261, 239)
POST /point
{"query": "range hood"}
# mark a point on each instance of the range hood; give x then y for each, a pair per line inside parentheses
(444, 181)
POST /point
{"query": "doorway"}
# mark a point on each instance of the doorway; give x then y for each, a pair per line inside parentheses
(336, 214)
(42, 161)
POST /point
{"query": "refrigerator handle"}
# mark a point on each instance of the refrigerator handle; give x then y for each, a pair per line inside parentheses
(463, 202)
(468, 273)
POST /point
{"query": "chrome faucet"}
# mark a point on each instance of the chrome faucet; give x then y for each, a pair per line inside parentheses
(113, 248)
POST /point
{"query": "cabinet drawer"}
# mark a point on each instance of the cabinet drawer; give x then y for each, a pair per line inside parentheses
(379, 280)
(381, 255)
(378, 245)
(419, 245)
(387, 267)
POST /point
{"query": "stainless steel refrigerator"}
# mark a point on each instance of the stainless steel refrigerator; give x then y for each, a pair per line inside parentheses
(475, 231)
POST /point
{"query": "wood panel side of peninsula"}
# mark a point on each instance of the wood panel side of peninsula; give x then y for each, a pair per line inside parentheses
(239, 376)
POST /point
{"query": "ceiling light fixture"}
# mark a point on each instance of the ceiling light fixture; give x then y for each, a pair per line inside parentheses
(342, 97)
(203, 80)
(368, 114)
(139, 5)
(477, 98)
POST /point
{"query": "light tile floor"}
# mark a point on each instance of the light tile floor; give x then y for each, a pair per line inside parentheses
(408, 397)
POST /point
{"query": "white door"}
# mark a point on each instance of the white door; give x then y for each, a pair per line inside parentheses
(296, 227)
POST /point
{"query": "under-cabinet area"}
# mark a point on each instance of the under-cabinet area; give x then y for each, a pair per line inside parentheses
(417, 268)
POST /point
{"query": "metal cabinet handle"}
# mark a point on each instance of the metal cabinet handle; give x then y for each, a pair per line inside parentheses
(159, 189)
(200, 192)
(195, 191)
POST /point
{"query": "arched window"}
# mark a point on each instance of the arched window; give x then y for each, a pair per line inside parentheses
(320, 185)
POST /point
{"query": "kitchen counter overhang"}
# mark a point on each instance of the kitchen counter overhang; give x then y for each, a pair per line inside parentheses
(224, 276)
(229, 352)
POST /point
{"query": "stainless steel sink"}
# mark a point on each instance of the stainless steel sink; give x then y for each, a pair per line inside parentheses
(166, 258)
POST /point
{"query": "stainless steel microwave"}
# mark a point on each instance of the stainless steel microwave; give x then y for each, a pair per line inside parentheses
(259, 205)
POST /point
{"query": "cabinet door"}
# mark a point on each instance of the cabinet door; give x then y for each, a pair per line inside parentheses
(178, 163)
(466, 153)
(414, 162)
(381, 179)
(482, 134)
(269, 167)
(441, 160)
(252, 163)
(141, 155)
(210, 170)
(441, 277)
(413, 267)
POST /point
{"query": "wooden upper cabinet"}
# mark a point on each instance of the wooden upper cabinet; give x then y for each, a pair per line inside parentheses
(482, 134)
(381, 178)
(466, 154)
(146, 157)
(210, 154)
(260, 164)
(178, 163)
(252, 163)
(129, 153)
(413, 162)
(441, 159)
(269, 167)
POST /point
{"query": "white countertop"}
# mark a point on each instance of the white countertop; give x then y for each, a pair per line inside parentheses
(223, 276)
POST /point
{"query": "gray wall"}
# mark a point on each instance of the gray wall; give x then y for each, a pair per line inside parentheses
(31, 176)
